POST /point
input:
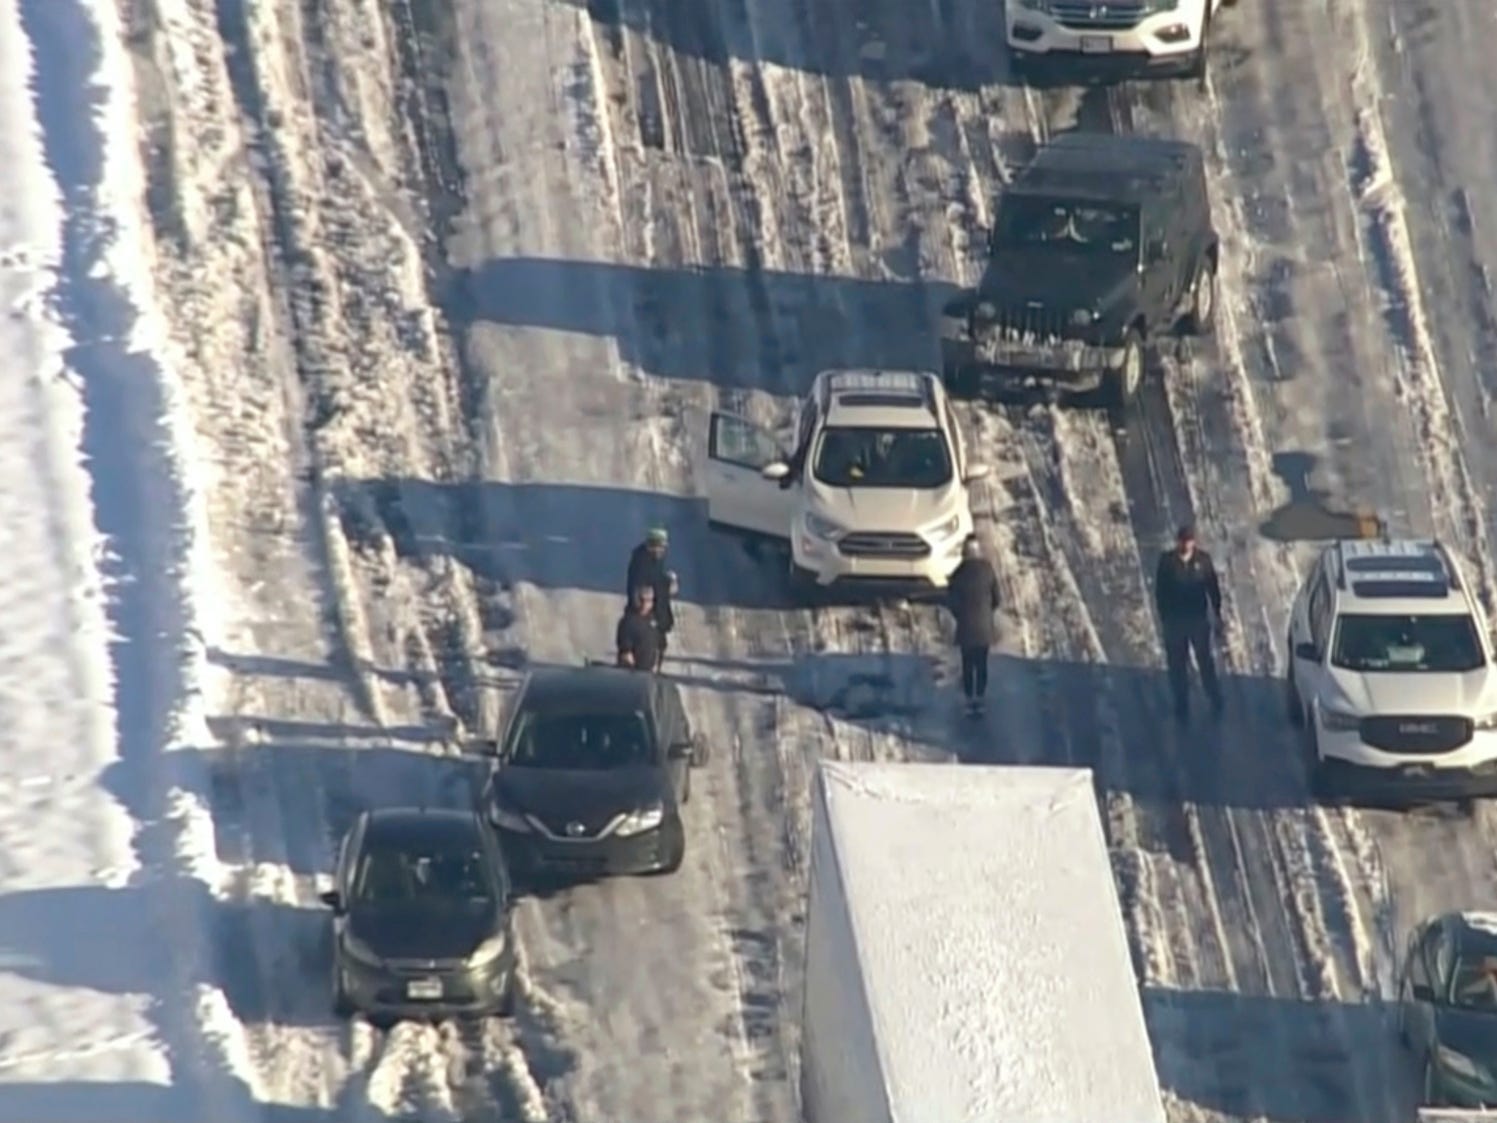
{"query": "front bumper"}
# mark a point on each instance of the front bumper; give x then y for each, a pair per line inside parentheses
(1351, 767)
(385, 991)
(1165, 41)
(1453, 1090)
(996, 367)
(535, 856)
(826, 567)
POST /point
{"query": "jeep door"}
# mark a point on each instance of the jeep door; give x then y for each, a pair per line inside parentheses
(739, 496)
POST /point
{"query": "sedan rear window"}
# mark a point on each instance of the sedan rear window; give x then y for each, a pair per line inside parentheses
(394, 875)
(1434, 644)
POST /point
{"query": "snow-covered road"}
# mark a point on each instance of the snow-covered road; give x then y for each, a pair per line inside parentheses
(399, 327)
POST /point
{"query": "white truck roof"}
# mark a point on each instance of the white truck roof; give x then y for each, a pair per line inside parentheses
(987, 926)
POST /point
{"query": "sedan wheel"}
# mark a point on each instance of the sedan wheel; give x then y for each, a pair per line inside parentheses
(1433, 1097)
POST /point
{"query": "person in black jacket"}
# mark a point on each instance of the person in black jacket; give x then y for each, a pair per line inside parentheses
(647, 567)
(1189, 599)
(637, 638)
(972, 596)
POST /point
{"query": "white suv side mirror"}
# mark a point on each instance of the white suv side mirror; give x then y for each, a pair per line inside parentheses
(776, 471)
(976, 472)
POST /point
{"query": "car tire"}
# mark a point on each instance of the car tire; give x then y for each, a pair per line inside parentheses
(506, 1006)
(1430, 1085)
(675, 850)
(1294, 707)
(686, 786)
(1200, 317)
(343, 1007)
(1120, 386)
(804, 591)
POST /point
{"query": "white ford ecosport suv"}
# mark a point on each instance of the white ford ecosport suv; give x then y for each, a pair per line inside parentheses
(1391, 675)
(874, 493)
(1167, 35)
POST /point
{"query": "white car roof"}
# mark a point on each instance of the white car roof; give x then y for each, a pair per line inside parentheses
(1398, 577)
(879, 399)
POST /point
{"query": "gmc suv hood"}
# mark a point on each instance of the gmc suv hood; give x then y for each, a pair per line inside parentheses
(1057, 279)
(1433, 694)
(884, 508)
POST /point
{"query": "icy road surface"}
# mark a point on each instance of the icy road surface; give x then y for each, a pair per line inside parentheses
(453, 287)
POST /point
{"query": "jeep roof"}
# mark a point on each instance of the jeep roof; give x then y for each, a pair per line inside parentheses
(879, 399)
(1130, 169)
(1414, 577)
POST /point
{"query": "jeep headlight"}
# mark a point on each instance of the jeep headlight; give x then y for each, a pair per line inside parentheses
(1083, 317)
(488, 951)
(1339, 721)
(507, 819)
(823, 528)
(1460, 1064)
(946, 529)
(637, 822)
(1486, 721)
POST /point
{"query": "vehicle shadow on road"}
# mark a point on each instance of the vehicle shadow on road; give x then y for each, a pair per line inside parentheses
(1311, 515)
(1279, 1059)
(732, 327)
(76, 1101)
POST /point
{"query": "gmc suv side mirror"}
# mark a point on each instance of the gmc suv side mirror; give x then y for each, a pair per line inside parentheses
(1307, 651)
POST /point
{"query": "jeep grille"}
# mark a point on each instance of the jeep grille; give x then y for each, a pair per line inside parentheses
(1416, 733)
(1020, 324)
(883, 544)
(1085, 16)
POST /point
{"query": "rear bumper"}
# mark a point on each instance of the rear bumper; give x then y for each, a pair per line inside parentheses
(1406, 783)
(535, 857)
(382, 992)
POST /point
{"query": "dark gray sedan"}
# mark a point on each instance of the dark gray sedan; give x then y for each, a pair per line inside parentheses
(422, 923)
(1448, 1008)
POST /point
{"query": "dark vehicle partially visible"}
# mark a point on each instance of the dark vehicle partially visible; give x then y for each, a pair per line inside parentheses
(1448, 1008)
(422, 924)
(591, 771)
(1101, 246)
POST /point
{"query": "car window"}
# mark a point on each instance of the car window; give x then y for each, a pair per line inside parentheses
(737, 441)
(580, 742)
(1319, 607)
(958, 442)
(1407, 644)
(859, 457)
(1474, 986)
(1074, 225)
(415, 874)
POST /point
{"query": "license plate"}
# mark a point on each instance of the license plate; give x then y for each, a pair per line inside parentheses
(424, 989)
(1096, 44)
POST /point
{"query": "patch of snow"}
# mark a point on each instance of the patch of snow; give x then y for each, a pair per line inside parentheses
(985, 921)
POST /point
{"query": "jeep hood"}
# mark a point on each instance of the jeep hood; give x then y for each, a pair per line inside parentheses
(1434, 694)
(1057, 278)
(883, 508)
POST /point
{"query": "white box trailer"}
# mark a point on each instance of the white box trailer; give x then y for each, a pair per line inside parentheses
(966, 960)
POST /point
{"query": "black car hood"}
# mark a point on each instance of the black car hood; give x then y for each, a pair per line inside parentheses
(1056, 278)
(1468, 1032)
(559, 796)
(414, 932)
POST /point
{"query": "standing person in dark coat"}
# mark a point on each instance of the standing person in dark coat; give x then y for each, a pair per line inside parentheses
(972, 596)
(647, 567)
(1189, 599)
(637, 638)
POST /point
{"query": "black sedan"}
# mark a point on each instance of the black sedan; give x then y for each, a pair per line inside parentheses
(591, 771)
(1448, 1008)
(422, 924)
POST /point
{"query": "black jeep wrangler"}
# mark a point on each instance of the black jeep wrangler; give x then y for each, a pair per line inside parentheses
(1100, 245)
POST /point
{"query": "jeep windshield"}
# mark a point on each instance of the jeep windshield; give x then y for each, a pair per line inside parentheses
(911, 458)
(1435, 644)
(1071, 225)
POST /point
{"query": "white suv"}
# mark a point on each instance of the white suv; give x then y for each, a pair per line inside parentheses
(1391, 674)
(1161, 34)
(874, 493)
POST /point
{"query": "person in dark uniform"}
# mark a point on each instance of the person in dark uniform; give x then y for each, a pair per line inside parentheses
(1189, 599)
(647, 567)
(972, 596)
(638, 636)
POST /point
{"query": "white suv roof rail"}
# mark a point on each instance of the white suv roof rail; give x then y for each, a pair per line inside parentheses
(1388, 567)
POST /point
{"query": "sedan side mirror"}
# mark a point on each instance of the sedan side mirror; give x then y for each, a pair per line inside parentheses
(976, 472)
(776, 471)
(1307, 651)
(1155, 251)
(332, 899)
(1422, 992)
(681, 750)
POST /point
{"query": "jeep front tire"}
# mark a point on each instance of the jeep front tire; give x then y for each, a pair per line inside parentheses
(1120, 384)
(1200, 315)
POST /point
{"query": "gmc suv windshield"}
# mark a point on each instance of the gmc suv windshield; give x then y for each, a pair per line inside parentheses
(1437, 644)
(1074, 225)
(580, 742)
(906, 458)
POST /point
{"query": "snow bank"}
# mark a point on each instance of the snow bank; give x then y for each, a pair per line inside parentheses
(966, 959)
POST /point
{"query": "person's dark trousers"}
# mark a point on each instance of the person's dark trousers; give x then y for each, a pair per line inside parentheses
(974, 672)
(665, 638)
(1182, 638)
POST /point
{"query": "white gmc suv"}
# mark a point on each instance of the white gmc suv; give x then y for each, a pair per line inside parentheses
(874, 493)
(1158, 34)
(1391, 675)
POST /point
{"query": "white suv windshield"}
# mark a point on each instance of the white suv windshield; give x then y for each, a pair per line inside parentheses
(848, 457)
(1440, 644)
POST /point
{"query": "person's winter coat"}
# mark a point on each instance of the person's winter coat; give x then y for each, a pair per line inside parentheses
(972, 596)
(647, 569)
(638, 636)
(1186, 590)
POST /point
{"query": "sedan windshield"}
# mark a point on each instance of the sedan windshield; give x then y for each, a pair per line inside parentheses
(883, 458)
(1076, 225)
(581, 742)
(1475, 986)
(1436, 644)
(412, 875)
